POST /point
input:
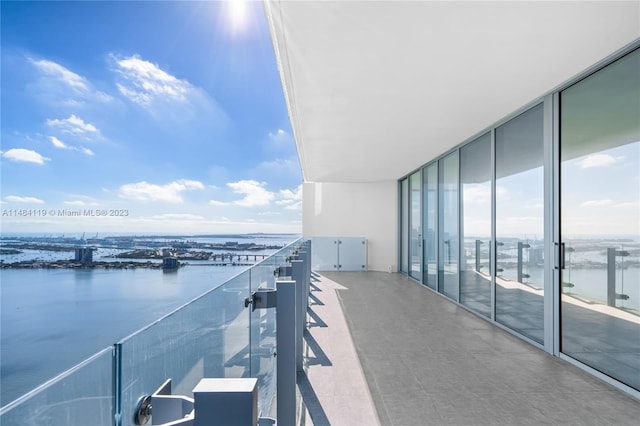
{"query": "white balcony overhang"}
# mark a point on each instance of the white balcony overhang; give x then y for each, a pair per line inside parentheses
(377, 88)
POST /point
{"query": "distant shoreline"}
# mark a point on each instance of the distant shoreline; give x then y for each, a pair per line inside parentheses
(72, 264)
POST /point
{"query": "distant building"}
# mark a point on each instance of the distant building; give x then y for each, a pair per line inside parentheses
(84, 255)
(170, 263)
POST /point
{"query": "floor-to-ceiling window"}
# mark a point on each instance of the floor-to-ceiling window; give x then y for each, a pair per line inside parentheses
(519, 272)
(487, 216)
(430, 213)
(448, 226)
(475, 224)
(415, 232)
(600, 220)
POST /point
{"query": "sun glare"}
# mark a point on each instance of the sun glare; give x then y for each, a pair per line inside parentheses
(237, 12)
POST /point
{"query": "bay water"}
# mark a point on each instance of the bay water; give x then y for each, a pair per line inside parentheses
(52, 319)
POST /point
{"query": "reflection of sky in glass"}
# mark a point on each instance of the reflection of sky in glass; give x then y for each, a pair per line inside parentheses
(477, 209)
(600, 185)
(449, 198)
(519, 204)
(415, 202)
(601, 192)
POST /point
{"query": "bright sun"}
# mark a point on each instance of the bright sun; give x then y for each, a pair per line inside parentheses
(237, 11)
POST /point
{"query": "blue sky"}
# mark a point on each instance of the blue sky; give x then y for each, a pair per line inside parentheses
(172, 111)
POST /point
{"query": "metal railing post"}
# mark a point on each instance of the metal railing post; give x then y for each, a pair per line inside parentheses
(521, 246)
(297, 274)
(286, 352)
(611, 276)
(117, 384)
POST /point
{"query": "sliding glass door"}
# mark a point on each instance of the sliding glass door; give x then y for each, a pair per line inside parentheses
(536, 223)
(430, 220)
(600, 220)
(475, 229)
(415, 247)
(519, 272)
(448, 226)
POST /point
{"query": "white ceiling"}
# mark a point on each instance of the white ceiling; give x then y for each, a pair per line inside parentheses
(377, 88)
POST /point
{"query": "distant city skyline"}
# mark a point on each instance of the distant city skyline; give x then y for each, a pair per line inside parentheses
(168, 116)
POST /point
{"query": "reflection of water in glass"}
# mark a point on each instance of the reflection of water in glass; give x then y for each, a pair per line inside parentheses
(591, 284)
(586, 268)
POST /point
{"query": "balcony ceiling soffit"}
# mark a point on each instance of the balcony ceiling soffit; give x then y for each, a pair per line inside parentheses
(376, 89)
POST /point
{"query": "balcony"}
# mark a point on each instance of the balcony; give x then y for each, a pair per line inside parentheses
(379, 349)
(429, 361)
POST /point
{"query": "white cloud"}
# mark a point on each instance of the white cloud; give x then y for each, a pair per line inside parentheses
(218, 203)
(278, 135)
(294, 206)
(58, 143)
(80, 203)
(629, 204)
(287, 194)
(170, 193)
(21, 155)
(164, 97)
(291, 200)
(61, 73)
(61, 145)
(73, 125)
(503, 192)
(61, 85)
(179, 216)
(143, 82)
(598, 160)
(596, 203)
(255, 194)
(18, 199)
(477, 193)
(280, 140)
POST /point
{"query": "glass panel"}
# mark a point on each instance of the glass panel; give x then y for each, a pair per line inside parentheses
(600, 220)
(209, 337)
(520, 224)
(475, 212)
(430, 211)
(82, 395)
(404, 234)
(448, 231)
(263, 340)
(415, 251)
(352, 254)
(325, 254)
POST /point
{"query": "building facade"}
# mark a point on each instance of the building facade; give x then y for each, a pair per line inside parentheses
(488, 150)
(535, 223)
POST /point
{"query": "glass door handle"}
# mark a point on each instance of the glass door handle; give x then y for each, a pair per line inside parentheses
(559, 255)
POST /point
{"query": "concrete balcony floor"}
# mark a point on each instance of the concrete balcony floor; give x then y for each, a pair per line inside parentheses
(382, 349)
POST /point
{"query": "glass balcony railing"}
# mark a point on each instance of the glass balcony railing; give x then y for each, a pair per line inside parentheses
(212, 336)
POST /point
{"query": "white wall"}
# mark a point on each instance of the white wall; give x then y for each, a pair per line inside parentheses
(366, 210)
